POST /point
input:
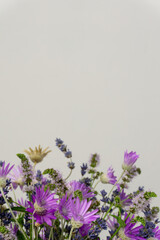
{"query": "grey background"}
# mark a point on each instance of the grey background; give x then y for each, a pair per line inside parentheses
(87, 72)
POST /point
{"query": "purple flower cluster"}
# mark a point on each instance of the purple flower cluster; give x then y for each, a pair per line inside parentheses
(56, 208)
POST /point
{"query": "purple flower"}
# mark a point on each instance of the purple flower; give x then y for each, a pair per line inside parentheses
(108, 177)
(65, 207)
(17, 177)
(157, 233)
(43, 206)
(23, 203)
(4, 171)
(130, 231)
(129, 160)
(84, 229)
(80, 213)
(76, 187)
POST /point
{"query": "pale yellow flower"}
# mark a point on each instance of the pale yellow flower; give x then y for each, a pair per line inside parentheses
(37, 154)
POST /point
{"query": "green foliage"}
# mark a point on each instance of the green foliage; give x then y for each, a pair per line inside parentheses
(20, 236)
(149, 195)
(3, 230)
(119, 220)
(18, 209)
(139, 171)
(79, 194)
(139, 219)
(49, 171)
(22, 157)
(20, 219)
(94, 161)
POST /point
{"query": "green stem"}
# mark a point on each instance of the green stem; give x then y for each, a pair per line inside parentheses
(108, 211)
(70, 235)
(37, 233)
(13, 214)
(50, 235)
(62, 223)
(115, 232)
(13, 193)
(118, 228)
(96, 184)
(69, 175)
(33, 225)
(116, 183)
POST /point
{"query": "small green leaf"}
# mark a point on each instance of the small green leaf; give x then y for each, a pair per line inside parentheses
(78, 193)
(22, 156)
(149, 195)
(19, 209)
(119, 220)
(139, 219)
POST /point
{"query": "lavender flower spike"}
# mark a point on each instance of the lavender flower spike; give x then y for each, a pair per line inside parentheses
(129, 160)
(108, 177)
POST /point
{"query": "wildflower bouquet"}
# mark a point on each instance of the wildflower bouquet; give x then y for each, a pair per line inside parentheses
(56, 208)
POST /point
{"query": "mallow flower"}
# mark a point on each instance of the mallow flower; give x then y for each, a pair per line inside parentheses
(4, 171)
(129, 160)
(43, 206)
(109, 177)
(80, 213)
(17, 177)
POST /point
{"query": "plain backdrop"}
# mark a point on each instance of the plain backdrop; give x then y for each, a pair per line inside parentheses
(86, 71)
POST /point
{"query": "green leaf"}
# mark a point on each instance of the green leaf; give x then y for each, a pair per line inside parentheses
(49, 171)
(19, 209)
(22, 156)
(139, 219)
(79, 194)
(149, 195)
(119, 220)
(20, 236)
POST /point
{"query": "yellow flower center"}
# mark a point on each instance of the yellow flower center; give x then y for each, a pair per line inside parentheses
(38, 209)
(122, 235)
(76, 224)
(2, 182)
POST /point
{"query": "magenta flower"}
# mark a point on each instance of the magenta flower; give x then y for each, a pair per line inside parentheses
(129, 160)
(130, 231)
(84, 229)
(4, 171)
(80, 213)
(75, 187)
(43, 207)
(157, 233)
(108, 177)
(23, 203)
(65, 207)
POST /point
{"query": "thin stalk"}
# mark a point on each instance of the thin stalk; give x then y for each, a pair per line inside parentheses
(108, 211)
(69, 175)
(13, 193)
(70, 235)
(96, 184)
(33, 226)
(118, 229)
(62, 223)
(50, 235)
(37, 233)
(116, 183)
(24, 234)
